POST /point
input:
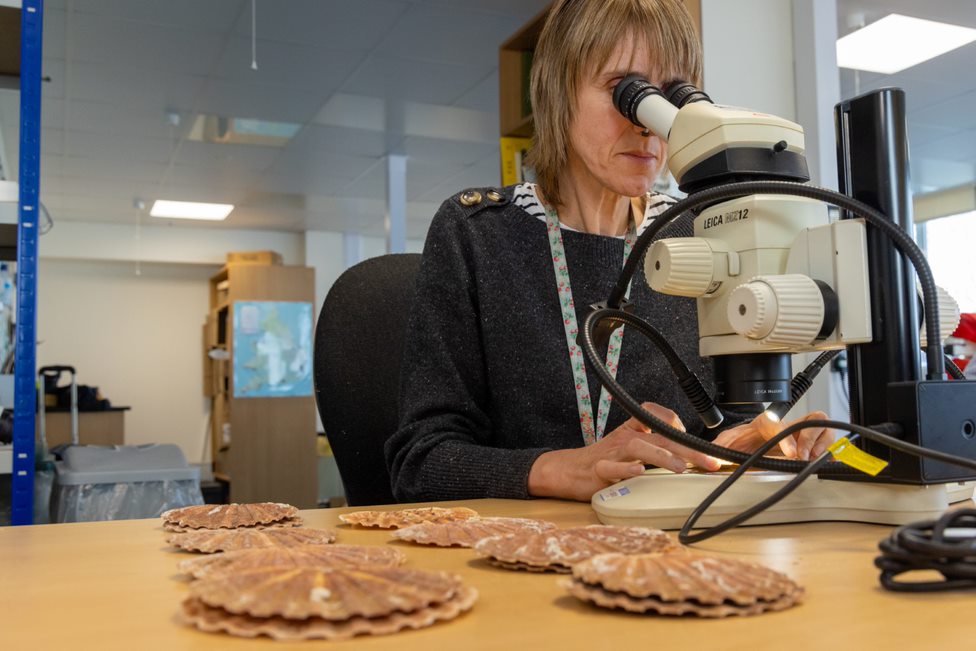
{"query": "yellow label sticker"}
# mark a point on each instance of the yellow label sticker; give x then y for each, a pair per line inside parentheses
(849, 454)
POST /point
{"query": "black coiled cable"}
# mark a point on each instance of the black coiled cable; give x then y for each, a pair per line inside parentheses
(946, 545)
(635, 409)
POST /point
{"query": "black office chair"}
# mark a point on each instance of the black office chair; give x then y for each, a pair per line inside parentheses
(358, 348)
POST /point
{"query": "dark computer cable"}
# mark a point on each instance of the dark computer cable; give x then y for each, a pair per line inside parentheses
(946, 545)
(635, 409)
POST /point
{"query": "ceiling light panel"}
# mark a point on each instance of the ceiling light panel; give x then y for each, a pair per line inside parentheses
(897, 42)
(190, 210)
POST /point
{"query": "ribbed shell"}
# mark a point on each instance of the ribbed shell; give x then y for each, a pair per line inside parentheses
(320, 556)
(278, 524)
(407, 517)
(468, 532)
(209, 541)
(685, 577)
(228, 516)
(619, 600)
(568, 546)
(335, 595)
(206, 618)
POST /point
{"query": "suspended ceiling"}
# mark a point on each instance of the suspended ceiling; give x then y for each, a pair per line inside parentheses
(361, 79)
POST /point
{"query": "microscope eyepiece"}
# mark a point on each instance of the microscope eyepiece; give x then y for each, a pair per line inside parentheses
(681, 93)
(630, 92)
(644, 104)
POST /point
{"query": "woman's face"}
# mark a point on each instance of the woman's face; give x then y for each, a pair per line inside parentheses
(605, 145)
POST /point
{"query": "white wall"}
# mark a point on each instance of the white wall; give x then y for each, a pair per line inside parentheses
(138, 338)
(748, 48)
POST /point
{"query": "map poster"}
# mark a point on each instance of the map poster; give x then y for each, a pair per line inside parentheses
(272, 349)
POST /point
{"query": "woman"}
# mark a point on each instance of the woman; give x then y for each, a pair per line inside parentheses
(495, 399)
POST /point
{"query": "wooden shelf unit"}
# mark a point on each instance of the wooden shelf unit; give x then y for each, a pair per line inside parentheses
(271, 455)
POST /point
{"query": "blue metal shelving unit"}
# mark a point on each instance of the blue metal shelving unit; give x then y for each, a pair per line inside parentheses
(25, 392)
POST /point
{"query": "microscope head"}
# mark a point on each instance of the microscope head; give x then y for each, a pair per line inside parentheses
(709, 144)
(763, 268)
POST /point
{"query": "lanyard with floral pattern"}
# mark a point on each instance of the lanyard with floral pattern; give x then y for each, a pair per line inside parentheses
(592, 431)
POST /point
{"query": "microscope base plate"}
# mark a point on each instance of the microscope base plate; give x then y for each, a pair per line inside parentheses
(664, 500)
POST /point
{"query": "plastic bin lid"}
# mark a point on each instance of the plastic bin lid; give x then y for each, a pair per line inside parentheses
(93, 464)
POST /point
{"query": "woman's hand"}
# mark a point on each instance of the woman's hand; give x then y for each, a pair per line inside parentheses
(805, 444)
(621, 454)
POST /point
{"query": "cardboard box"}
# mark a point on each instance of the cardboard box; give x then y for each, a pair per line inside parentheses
(253, 257)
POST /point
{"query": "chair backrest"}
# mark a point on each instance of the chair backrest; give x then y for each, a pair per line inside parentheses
(358, 349)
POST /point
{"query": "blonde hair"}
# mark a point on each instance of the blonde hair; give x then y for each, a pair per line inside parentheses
(577, 40)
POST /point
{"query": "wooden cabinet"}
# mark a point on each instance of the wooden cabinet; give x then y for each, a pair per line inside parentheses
(264, 446)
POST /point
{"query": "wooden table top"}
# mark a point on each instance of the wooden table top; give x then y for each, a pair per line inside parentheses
(114, 585)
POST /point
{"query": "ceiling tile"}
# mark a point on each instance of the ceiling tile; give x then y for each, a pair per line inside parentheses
(232, 158)
(82, 144)
(191, 15)
(296, 104)
(146, 46)
(449, 35)
(427, 82)
(356, 25)
(361, 142)
(522, 9)
(483, 96)
(958, 112)
(116, 119)
(438, 151)
(289, 64)
(114, 168)
(315, 172)
(957, 146)
(133, 89)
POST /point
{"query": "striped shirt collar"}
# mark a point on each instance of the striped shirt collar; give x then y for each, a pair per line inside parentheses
(526, 197)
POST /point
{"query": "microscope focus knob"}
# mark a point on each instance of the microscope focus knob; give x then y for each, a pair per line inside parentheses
(949, 315)
(679, 266)
(785, 310)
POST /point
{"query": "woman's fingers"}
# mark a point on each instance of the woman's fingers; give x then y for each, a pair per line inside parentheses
(695, 457)
(768, 428)
(808, 438)
(614, 471)
(659, 412)
(648, 452)
(824, 441)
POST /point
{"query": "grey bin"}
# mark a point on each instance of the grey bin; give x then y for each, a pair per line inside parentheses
(122, 482)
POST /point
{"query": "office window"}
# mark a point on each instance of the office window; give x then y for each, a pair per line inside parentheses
(951, 250)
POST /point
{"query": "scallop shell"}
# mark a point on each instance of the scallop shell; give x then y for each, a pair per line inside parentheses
(685, 577)
(280, 524)
(561, 548)
(619, 600)
(321, 556)
(228, 516)
(207, 618)
(407, 517)
(468, 532)
(337, 594)
(209, 541)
